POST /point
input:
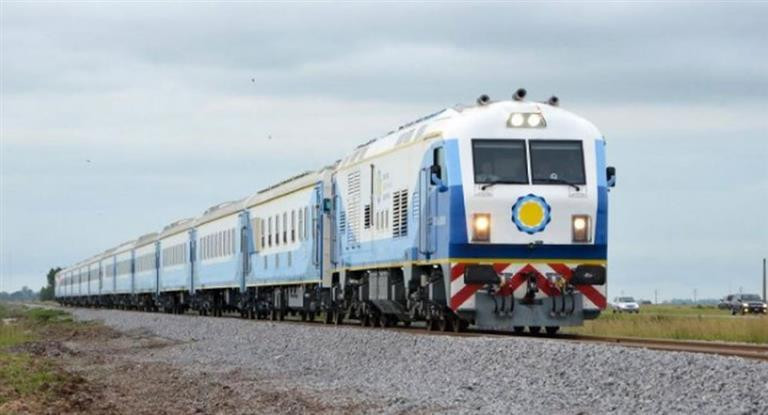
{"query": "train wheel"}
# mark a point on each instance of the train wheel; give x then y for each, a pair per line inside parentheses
(328, 317)
(460, 325)
(444, 323)
(431, 324)
(534, 329)
(552, 330)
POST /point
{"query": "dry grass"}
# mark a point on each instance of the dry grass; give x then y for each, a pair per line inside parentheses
(679, 323)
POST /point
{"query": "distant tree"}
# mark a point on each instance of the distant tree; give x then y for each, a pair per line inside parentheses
(47, 292)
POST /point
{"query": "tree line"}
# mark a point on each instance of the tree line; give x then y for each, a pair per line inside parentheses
(46, 293)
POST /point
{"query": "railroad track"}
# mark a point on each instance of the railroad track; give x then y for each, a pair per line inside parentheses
(743, 350)
(748, 351)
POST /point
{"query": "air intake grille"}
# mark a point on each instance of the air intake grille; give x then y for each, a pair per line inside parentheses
(353, 208)
(400, 213)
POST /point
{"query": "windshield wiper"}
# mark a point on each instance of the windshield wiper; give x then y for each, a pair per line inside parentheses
(494, 182)
(560, 181)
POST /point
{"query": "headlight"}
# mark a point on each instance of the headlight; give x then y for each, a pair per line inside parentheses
(534, 120)
(745, 305)
(526, 120)
(516, 120)
(481, 227)
(580, 225)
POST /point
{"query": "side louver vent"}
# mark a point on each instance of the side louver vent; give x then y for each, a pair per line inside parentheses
(400, 213)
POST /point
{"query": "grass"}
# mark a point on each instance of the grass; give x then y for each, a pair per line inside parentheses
(22, 375)
(679, 323)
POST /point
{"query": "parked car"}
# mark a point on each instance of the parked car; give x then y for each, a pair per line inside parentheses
(625, 305)
(725, 302)
(747, 303)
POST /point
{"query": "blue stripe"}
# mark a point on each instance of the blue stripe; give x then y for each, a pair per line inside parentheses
(601, 223)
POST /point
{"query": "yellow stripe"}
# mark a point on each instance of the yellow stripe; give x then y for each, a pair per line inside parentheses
(284, 283)
(262, 202)
(474, 261)
(416, 140)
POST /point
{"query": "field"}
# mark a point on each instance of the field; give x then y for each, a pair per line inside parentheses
(28, 381)
(679, 323)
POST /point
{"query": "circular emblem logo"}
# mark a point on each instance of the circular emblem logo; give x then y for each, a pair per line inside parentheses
(531, 213)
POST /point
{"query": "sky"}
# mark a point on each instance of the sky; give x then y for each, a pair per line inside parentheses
(119, 118)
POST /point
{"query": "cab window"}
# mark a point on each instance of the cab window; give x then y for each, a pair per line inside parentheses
(557, 162)
(499, 161)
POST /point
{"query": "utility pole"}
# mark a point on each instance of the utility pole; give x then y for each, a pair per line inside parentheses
(656, 296)
(765, 283)
(694, 296)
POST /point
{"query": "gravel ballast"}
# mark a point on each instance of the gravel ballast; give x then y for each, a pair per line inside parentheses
(393, 372)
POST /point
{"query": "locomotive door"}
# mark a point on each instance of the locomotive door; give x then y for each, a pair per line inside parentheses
(430, 185)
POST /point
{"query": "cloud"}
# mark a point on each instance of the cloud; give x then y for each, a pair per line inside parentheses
(174, 106)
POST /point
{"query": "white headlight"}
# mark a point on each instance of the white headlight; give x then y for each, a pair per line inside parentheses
(481, 227)
(580, 228)
(534, 120)
(516, 120)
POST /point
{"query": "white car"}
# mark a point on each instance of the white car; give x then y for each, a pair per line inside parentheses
(625, 305)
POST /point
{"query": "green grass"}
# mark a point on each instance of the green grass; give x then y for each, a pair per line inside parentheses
(23, 375)
(679, 323)
(699, 310)
(47, 315)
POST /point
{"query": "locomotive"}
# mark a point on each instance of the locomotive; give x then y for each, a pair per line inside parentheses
(492, 215)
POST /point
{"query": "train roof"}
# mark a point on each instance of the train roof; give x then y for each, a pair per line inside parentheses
(219, 211)
(455, 121)
(175, 227)
(123, 247)
(300, 181)
(145, 239)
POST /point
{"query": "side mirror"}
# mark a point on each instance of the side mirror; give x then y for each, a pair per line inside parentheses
(435, 172)
(327, 205)
(610, 174)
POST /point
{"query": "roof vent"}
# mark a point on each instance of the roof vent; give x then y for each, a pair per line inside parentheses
(519, 94)
(148, 236)
(554, 101)
(483, 100)
(177, 223)
(217, 207)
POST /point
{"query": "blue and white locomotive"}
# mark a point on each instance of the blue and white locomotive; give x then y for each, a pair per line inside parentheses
(493, 215)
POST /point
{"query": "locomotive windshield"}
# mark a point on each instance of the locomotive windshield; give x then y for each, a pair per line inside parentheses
(500, 161)
(557, 162)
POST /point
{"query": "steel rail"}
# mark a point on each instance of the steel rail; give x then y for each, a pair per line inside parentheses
(743, 350)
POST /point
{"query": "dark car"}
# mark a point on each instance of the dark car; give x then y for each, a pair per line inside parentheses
(725, 302)
(748, 303)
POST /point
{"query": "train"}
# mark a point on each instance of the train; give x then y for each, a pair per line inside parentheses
(492, 215)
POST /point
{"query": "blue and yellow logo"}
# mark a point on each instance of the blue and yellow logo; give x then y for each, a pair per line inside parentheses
(531, 213)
